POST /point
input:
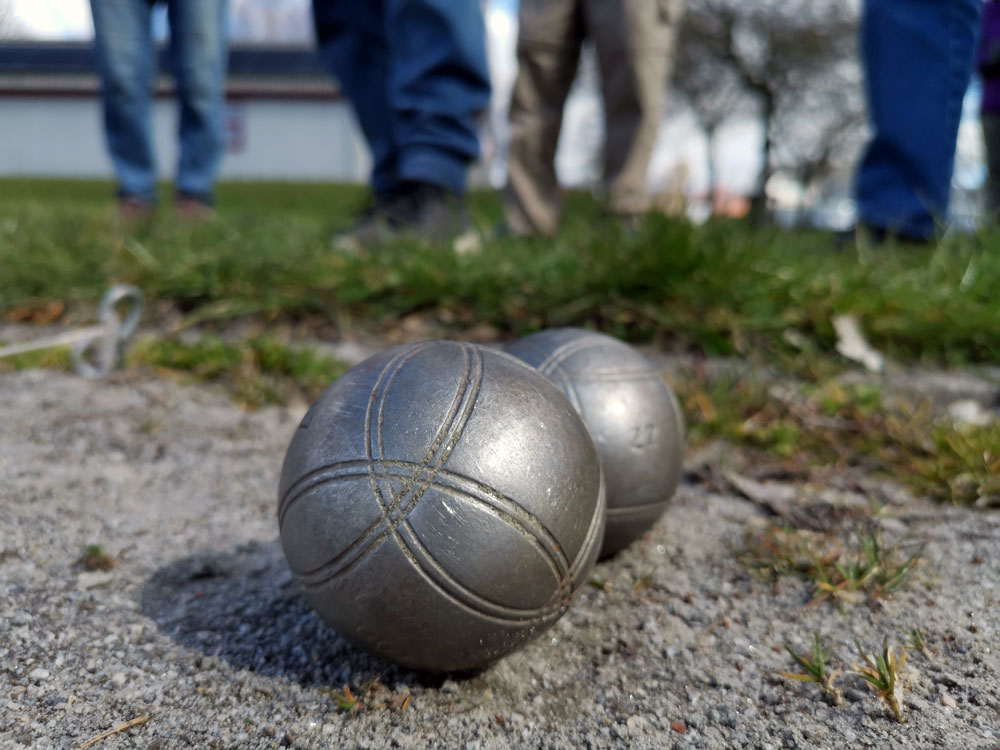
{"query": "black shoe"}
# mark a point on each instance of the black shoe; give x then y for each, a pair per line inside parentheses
(418, 210)
(349, 239)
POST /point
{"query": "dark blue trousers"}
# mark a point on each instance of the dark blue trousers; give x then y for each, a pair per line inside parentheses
(415, 72)
(918, 58)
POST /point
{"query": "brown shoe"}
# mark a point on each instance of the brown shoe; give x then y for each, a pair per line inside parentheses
(133, 210)
(192, 210)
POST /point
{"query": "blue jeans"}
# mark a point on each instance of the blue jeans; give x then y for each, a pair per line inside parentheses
(918, 59)
(415, 72)
(126, 62)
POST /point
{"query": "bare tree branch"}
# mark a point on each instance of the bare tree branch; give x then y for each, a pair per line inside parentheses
(790, 63)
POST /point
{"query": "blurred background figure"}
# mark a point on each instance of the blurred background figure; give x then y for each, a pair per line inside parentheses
(918, 59)
(501, 54)
(634, 40)
(127, 64)
(988, 64)
(415, 73)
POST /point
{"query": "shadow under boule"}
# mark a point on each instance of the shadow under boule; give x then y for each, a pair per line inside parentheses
(241, 605)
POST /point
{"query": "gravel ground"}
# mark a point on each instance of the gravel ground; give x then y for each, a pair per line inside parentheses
(200, 628)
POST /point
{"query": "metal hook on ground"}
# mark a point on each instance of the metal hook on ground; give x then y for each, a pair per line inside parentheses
(99, 349)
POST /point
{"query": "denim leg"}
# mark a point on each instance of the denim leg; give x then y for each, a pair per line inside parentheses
(199, 55)
(438, 85)
(918, 59)
(126, 63)
(352, 44)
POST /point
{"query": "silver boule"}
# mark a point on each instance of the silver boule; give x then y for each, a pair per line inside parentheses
(631, 413)
(441, 504)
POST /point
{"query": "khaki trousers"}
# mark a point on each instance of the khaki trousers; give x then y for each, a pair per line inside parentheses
(634, 40)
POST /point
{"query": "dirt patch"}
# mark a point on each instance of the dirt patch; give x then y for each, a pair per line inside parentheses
(198, 624)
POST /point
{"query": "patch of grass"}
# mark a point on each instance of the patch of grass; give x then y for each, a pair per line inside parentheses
(832, 424)
(874, 569)
(375, 696)
(95, 557)
(916, 638)
(761, 295)
(723, 288)
(55, 358)
(816, 669)
(881, 670)
(256, 371)
(776, 551)
(345, 700)
(868, 569)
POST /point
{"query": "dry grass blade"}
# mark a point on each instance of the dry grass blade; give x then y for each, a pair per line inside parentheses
(345, 700)
(815, 669)
(115, 730)
(882, 670)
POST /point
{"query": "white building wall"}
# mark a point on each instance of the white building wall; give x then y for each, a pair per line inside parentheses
(269, 140)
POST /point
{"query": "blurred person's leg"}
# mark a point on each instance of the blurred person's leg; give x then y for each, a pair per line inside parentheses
(991, 138)
(918, 58)
(635, 49)
(353, 45)
(438, 87)
(199, 54)
(550, 34)
(415, 72)
(126, 63)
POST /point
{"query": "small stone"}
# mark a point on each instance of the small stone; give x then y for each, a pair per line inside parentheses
(118, 679)
(39, 674)
(635, 723)
(948, 701)
(93, 579)
(770, 697)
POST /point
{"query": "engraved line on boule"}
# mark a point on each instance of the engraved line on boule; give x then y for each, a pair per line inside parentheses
(376, 405)
(568, 387)
(440, 578)
(450, 588)
(592, 533)
(461, 487)
(611, 376)
(394, 513)
(448, 434)
(377, 396)
(448, 482)
(447, 437)
(510, 512)
(566, 351)
(371, 396)
(636, 510)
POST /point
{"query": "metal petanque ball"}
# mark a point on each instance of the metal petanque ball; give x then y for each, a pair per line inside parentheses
(441, 504)
(631, 413)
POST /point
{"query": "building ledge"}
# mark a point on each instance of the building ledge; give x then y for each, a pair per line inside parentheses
(45, 69)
